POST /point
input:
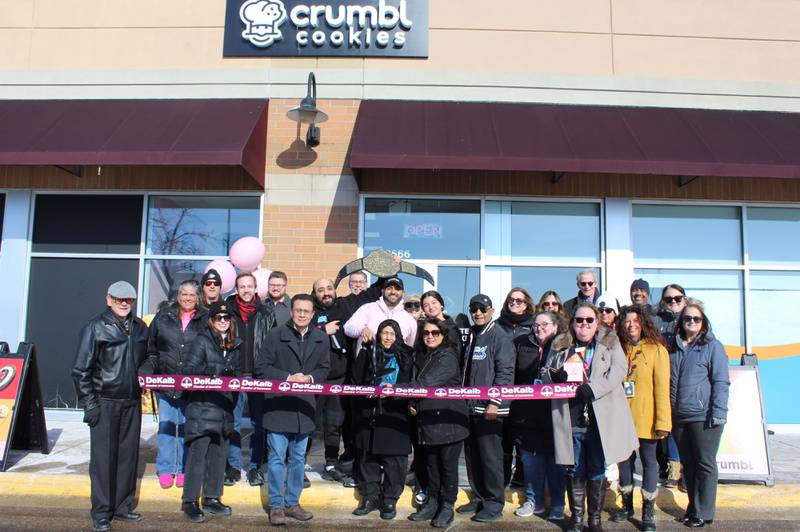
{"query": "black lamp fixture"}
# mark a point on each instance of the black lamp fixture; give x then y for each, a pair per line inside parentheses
(308, 113)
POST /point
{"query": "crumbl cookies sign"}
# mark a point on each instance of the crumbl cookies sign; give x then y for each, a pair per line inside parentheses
(338, 28)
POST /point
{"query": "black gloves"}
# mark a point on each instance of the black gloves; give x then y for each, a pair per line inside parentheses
(229, 371)
(584, 393)
(92, 417)
(560, 376)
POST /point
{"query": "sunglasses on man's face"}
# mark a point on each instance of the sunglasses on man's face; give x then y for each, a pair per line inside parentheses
(412, 305)
(211, 283)
(587, 285)
(581, 320)
(670, 300)
(477, 308)
(695, 319)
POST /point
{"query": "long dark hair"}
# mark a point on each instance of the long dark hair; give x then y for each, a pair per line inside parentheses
(443, 327)
(530, 308)
(649, 331)
(225, 344)
(704, 328)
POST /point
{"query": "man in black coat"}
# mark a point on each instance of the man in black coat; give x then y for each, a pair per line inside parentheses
(294, 352)
(587, 291)
(111, 348)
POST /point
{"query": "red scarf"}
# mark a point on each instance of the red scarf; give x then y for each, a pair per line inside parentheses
(246, 309)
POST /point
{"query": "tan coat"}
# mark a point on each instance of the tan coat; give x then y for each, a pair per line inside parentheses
(614, 421)
(649, 371)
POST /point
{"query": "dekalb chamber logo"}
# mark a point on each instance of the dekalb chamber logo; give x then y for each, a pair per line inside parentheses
(547, 391)
(284, 386)
(186, 382)
(336, 388)
(234, 384)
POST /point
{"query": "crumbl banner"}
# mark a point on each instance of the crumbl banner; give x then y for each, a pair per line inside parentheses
(245, 384)
(338, 28)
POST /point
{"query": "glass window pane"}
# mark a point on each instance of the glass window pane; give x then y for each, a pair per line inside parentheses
(687, 234)
(720, 291)
(69, 223)
(772, 235)
(199, 225)
(550, 231)
(458, 284)
(773, 301)
(423, 228)
(162, 277)
(500, 279)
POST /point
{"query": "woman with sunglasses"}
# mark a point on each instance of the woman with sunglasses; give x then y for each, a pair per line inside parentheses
(413, 306)
(647, 389)
(209, 415)
(171, 334)
(699, 394)
(380, 424)
(595, 427)
(532, 422)
(551, 302)
(441, 423)
(608, 306)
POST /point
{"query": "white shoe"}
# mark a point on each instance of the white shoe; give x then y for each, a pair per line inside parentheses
(526, 510)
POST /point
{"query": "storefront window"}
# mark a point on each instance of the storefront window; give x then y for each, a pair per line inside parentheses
(772, 235)
(687, 234)
(199, 225)
(773, 300)
(543, 231)
(457, 284)
(423, 228)
(162, 277)
(500, 279)
(720, 291)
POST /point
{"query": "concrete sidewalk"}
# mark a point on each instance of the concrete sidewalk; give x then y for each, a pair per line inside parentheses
(62, 478)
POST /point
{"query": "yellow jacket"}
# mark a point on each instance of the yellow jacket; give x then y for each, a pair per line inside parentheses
(649, 369)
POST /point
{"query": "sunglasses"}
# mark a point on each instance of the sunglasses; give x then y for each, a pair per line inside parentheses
(695, 319)
(550, 304)
(434, 333)
(123, 301)
(222, 317)
(671, 300)
(211, 283)
(587, 285)
(606, 310)
(412, 304)
(516, 301)
(476, 308)
(581, 320)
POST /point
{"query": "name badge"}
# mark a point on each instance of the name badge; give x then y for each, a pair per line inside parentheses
(630, 389)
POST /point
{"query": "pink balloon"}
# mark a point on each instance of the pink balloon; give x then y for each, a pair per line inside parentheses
(247, 253)
(262, 281)
(226, 271)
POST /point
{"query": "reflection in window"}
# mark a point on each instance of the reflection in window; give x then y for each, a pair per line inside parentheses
(720, 291)
(162, 277)
(199, 225)
(500, 279)
(769, 234)
(549, 231)
(457, 284)
(773, 300)
(423, 228)
(687, 234)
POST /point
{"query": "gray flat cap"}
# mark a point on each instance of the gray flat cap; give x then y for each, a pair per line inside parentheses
(122, 290)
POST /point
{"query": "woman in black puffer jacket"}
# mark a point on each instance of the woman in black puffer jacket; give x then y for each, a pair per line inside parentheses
(441, 423)
(209, 415)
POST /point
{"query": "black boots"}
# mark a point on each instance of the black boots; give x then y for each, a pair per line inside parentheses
(595, 495)
(444, 517)
(620, 516)
(214, 506)
(426, 512)
(368, 505)
(192, 511)
(648, 515)
(576, 494)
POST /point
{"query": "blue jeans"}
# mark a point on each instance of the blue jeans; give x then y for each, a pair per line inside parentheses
(672, 449)
(538, 468)
(589, 457)
(235, 447)
(282, 472)
(171, 448)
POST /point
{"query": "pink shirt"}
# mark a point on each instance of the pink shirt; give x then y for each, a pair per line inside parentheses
(186, 317)
(372, 314)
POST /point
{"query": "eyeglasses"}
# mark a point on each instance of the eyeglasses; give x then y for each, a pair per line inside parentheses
(670, 300)
(222, 317)
(586, 285)
(435, 333)
(211, 283)
(542, 325)
(123, 301)
(695, 319)
(606, 310)
(581, 320)
(516, 301)
(412, 304)
(477, 308)
(550, 304)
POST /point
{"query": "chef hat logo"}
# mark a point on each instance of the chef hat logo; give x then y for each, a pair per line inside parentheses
(261, 19)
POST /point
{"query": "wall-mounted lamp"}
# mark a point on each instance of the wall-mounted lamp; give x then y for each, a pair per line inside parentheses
(308, 113)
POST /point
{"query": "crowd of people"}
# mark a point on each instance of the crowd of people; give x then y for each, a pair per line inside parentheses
(652, 382)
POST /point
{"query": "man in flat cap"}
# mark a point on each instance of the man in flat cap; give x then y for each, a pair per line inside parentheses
(111, 348)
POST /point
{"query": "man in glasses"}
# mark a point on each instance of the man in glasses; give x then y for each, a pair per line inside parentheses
(111, 348)
(253, 321)
(278, 302)
(364, 323)
(211, 284)
(357, 282)
(488, 361)
(587, 291)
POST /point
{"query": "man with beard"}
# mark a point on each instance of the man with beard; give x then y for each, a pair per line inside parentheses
(211, 284)
(364, 323)
(329, 314)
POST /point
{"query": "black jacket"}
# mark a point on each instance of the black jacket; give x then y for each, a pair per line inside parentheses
(381, 425)
(665, 321)
(108, 359)
(439, 421)
(210, 412)
(570, 304)
(488, 361)
(285, 352)
(514, 326)
(253, 333)
(168, 345)
(340, 347)
(531, 420)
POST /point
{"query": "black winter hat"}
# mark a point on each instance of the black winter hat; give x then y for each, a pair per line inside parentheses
(219, 307)
(211, 275)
